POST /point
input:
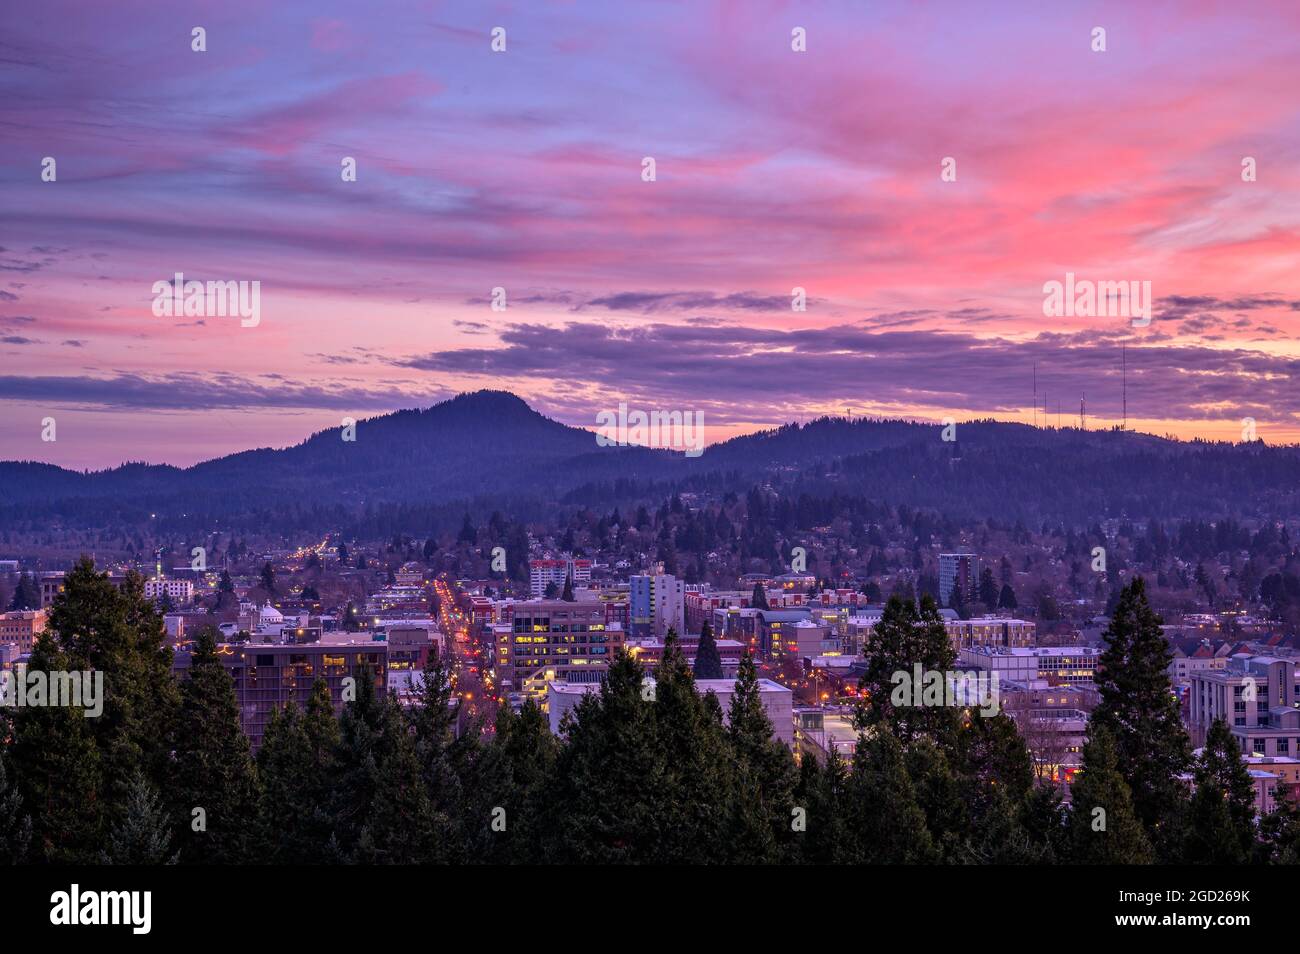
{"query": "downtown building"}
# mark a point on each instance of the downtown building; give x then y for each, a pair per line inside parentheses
(656, 604)
(958, 571)
(543, 573)
(268, 676)
(1257, 696)
(544, 640)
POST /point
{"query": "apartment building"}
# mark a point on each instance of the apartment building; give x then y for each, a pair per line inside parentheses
(656, 603)
(21, 627)
(1048, 666)
(543, 573)
(1256, 696)
(958, 571)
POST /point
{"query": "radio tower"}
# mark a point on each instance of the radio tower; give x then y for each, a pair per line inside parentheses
(1124, 377)
(1035, 424)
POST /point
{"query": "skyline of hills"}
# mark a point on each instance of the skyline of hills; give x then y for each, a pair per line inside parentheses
(489, 449)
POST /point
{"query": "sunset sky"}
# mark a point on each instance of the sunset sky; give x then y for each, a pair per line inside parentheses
(522, 169)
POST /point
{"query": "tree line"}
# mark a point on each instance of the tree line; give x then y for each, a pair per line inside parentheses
(643, 771)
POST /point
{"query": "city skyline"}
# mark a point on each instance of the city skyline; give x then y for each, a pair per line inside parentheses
(522, 170)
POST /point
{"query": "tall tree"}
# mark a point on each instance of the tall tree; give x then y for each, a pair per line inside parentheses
(212, 769)
(708, 662)
(759, 599)
(1221, 822)
(765, 775)
(142, 836)
(15, 824)
(885, 822)
(1139, 710)
(904, 639)
(1104, 825)
(296, 769)
(610, 798)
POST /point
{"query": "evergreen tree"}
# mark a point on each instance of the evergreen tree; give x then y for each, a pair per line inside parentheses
(1104, 826)
(821, 795)
(1221, 821)
(942, 798)
(708, 663)
(765, 776)
(903, 639)
(59, 771)
(759, 599)
(1141, 713)
(296, 768)
(267, 578)
(382, 808)
(609, 800)
(1279, 832)
(142, 836)
(988, 588)
(100, 627)
(212, 769)
(697, 768)
(27, 594)
(886, 824)
(567, 594)
(1007, 598)
(15, 824)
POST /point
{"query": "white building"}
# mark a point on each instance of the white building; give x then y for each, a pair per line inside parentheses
(542, 573)
(179, 592)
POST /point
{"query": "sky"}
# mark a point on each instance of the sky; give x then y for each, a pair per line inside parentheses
(775, 169)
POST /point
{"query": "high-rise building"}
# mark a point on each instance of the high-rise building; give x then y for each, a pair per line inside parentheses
(657, 603)
(958, 570)
(542, 573)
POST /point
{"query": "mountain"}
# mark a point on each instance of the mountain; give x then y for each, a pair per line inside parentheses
(490, 450)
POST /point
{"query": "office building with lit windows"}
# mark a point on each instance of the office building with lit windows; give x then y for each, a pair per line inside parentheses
(543, 640)
(269, 675)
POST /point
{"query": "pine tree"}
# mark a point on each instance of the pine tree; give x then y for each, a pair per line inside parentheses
(610, 790)
(1140, 710)
(15, 824)
(381, 806)
(942, 798)
(296, 768)
(821, 796)
(708, 662)
(567, 593)
(1104, 826)
(212, 769)
(885, 822)
(759, 599)
(765, 776)
(1221, 821)
(1007, 598)
(59, 770)
(102, 628)
(143, 834)
(1279, 832)
(698, 771)
(903, 639)
(27, 594)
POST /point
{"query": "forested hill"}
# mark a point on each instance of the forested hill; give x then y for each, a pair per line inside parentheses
(490, 450)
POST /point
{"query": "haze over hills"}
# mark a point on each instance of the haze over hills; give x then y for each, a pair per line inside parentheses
(490, 450)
